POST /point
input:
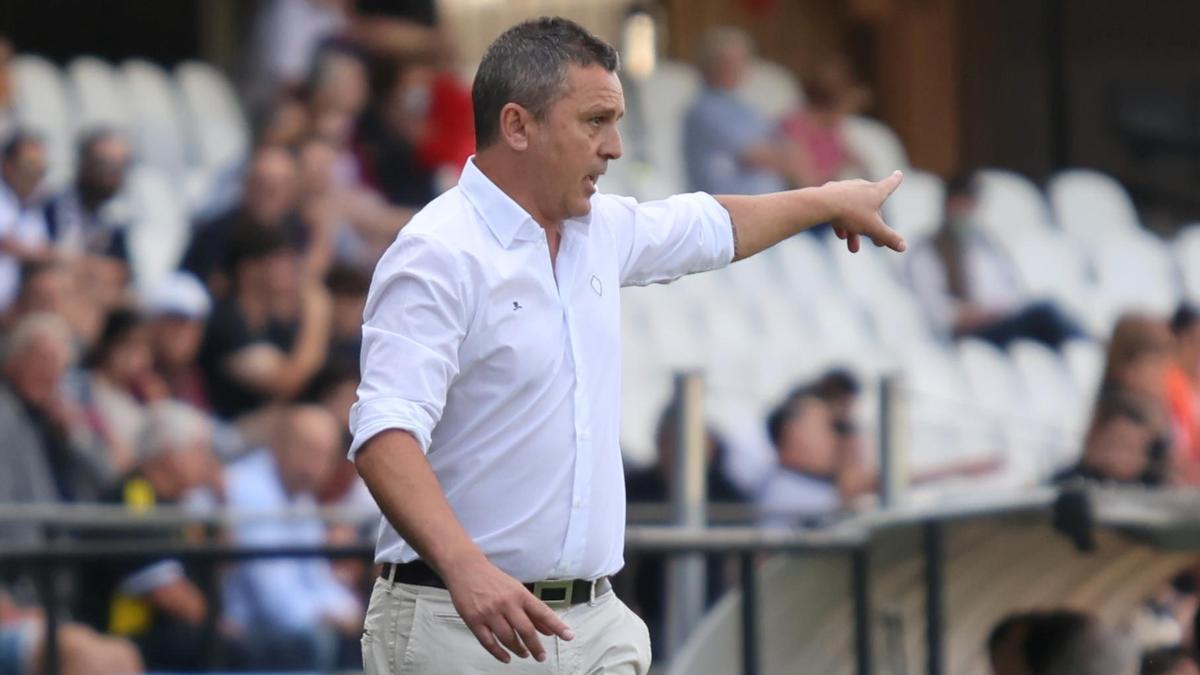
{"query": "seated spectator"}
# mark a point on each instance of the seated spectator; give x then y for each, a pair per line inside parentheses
(831, 94)
(1168, 661)
(155, 603)
(85, 219)
(55, 286)
(47, 453)
(1129, 439)
(839, 389)
(348, 288)
(652, 485)
(1059, 643)
(969, 287)
(24, 234)
(293, 612)
(728, 147)
(266, 340)
(1183, 392)
(81, 651)
(812, 482)
(269, 200)
(8, 99)
(179, 308)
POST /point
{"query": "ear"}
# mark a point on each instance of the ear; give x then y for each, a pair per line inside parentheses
(515, 126)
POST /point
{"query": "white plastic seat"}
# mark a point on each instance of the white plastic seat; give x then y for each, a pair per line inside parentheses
(916, 208)
(1085, 362)
(157, 130)
(942, 419)
(101, 97)
(219, 135)
(1187, 256)
(657, 106)
(1089, 203)
(159, 231)
(1003, 407)
(1053, 401)
(876, 145)
(1134, 271)
(1010, 204)
(44, 106)
(1051, 266)
(771, 89)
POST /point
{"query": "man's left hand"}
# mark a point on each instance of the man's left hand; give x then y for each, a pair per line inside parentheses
(856, 205)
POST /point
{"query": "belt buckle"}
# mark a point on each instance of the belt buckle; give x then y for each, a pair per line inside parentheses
(566, 586)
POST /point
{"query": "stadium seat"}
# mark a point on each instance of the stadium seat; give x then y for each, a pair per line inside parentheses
(1051, 266)
(1003, 405)
(943, 421)
(159, 231)
(1087, 203)
(1085, 363)
(1053, 401)
(915, 208)
(1187, 255)
(771, 89)
(1134, 271)
(101, 99)
(157, 131)
(657, 106)
(876, 145)
(1010, 204)
(219, 135)
(44, 105)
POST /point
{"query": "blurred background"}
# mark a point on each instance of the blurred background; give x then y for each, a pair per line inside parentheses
(985, 450)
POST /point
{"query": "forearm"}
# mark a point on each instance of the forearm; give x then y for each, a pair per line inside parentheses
(407, 491)
(761, 221)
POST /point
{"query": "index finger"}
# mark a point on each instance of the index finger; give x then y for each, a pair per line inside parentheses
(885, 236)
(546, 620)
(890, 183)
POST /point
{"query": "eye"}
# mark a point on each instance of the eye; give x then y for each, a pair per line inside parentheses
(596, 121)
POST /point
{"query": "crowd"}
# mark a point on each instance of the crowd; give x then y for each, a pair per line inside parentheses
(229, 383)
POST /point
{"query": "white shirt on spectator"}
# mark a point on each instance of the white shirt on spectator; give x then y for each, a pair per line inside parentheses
(294, 594)
(508, 371)
(789, 498)
(991, 279)
(24, 224)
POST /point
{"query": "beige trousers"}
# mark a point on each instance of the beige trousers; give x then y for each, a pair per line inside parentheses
(416, 630)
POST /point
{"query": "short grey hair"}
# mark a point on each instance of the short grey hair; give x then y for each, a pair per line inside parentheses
(170, 426)
(38, 326)
(716, 42)
(527, 65)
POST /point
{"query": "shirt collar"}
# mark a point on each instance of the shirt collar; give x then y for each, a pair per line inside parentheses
(507, 219)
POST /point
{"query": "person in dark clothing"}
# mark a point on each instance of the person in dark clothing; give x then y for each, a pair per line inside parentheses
(267, 340)
(652, 485)
(83, 219)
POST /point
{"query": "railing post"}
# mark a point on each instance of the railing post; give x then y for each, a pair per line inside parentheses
(893, 433)
(44, 580)
(861, 581)
(686, 573)
(934, 576)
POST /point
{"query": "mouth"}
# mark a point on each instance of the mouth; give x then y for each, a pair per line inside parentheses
(591, 180)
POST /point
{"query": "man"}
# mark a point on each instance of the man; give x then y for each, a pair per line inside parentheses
(728, 146)
(85, 219)
(487, 421)
(269, 200)
(178, 309)
(23, 232)
(81, 650)
(969, 287)
(293, 612)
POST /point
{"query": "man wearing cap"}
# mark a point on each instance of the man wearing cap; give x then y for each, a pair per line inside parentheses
(178, 308)
(487, 420)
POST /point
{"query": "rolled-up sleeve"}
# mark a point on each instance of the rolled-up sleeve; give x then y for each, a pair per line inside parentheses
(661, 241)
(414, 322)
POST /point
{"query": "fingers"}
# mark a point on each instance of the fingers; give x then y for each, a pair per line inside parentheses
(853, 242)
(547, 621)
(528, 636)
(508, 637)
(840, 232)
(886, 236)
(485, 637)
(892, 182)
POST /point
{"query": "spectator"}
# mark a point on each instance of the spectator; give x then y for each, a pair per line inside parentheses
(968, 286)
(831, 94)
(81, 650)
(1168, 661)
(811, 482)
(348, 288)
(85, 218)
(154, 602)
(839, 389)
(294, 612)
(266, 341)
(179, 308)
(24, 234)
(1073, 644)
(1183, 391)
(652, 485)
(120, 378)
(269, 200)
(1006, 645)
(55, 286)
(728, 147)
(8, 101)
(46, 453)
(1129, 436)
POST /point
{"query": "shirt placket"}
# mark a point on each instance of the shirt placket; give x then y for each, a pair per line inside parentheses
(577, 519)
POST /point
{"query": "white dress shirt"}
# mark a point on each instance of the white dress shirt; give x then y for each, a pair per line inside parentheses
(991, 279)
(508, 371)
(24, 224)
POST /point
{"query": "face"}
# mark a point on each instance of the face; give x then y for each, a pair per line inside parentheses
(572, 146)
(176, 339)
(104, 170)
(808, 442)
(270, 192)
(182, 470)
(36, 373)
(317, 159)
(345, 88)
(48, 291)
(24, 173)
(308, 450)
(730, 69)
(130, 358)
(1146, 373)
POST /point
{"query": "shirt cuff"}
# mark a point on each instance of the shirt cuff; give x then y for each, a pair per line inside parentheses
(716, 214)
(151, 578)
(373, 417)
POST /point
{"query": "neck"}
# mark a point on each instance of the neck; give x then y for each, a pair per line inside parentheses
(513, 179)
(252, 306)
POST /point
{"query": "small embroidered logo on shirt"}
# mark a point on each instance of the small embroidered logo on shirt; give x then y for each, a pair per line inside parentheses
(516, 305)
(597, 286)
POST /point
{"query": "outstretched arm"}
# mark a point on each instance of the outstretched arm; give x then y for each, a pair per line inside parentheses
(761, 221)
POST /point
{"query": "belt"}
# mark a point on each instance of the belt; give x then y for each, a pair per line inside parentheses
(557, 593)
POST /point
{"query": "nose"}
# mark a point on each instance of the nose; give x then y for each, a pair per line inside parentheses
(610, 147)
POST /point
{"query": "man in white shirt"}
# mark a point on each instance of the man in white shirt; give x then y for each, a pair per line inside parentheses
(23, 232)
(487, 423)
